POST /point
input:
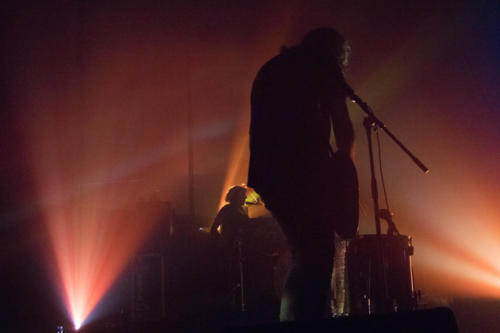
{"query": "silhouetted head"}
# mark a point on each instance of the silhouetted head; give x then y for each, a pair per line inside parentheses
(327, 44)
(236, 195)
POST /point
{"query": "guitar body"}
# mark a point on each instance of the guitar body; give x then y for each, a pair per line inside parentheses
(323, 190)
(346, 202)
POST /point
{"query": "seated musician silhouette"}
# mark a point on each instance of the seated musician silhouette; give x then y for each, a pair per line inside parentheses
(232, 217)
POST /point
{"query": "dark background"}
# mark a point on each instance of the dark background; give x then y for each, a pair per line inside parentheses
(97, 95)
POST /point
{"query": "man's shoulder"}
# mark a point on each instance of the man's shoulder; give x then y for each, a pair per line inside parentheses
(229, 209)
(282, 61)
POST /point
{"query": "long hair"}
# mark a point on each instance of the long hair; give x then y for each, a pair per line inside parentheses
(327, 44)
(235, 192)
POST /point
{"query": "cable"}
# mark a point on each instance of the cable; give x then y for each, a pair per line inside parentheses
(381, 170)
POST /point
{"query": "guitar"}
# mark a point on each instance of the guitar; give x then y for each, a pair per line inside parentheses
(347, 202)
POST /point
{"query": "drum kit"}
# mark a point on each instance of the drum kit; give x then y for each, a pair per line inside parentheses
(379, 274)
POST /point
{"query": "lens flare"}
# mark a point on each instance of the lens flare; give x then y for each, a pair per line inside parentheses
(92, 244)
(94, 195)
(238, 163)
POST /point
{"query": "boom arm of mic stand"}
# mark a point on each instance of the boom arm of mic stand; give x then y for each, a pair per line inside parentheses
(366, 108)
(369, 121)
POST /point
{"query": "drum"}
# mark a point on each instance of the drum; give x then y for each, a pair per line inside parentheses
(380, 277)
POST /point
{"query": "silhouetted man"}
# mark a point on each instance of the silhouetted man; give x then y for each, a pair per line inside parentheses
(312, 192)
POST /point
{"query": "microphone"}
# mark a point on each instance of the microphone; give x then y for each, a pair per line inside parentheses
(349, 91)
(356, 99)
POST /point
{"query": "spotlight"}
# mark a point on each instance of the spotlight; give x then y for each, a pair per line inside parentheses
(67, 329)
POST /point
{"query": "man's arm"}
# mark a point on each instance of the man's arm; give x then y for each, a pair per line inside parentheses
(217, 222)
(342, 126)
(334, 95)
(336, 104)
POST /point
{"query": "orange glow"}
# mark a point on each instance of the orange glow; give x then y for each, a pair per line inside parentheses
(98, 105)
(94, 176)
(452, 213)
(92, 246)
(94, 232)
(458, 255)
(238, 164)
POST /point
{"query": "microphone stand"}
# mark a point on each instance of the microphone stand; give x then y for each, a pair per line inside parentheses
(369, 125)
(372, 122)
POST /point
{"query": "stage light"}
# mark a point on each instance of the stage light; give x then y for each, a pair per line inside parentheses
(91, 247)
(90, 204)
(237, 168)
(77, 321)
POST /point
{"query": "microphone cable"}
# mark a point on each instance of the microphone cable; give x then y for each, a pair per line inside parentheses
(381, 169)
